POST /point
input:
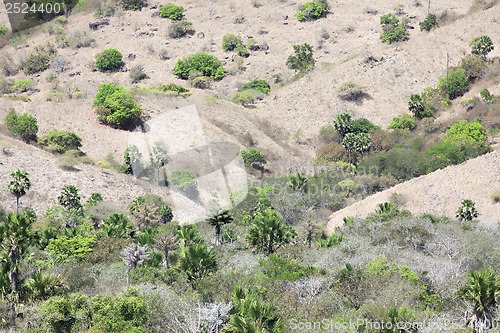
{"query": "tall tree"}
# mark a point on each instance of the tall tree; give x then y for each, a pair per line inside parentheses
(268, 232)
(165, 242)
(19, 184)
(134, 255)
(483, 290)
(218, 221)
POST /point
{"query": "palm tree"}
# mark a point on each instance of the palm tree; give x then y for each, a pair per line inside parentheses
(483, 290)
(198, 261)
(19, 184)
(42, 286)
(134, 255)
(166, 242)
(467, 211)
(343, 124)
(268, 232)
(218, 221)
(70, 198)
(297, 181)
(145, 214)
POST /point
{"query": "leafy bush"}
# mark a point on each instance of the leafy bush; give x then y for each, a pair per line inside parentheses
(486, 95)
(24, 126)
(202, 63)
(115, 106)
(310, 11)
(474, 66)
(137, 74)
(231, 41)
(172, 11)
(257, 85)
(60, 141)
(463, 130)
(242, 51)
(3, 30)
(245, 97)
(253, 158)
(282, 269)
(467, 211)
(362, 125)
(132, 4)
(109, 60)
(302, 60)
(77, 247)
(180, 29)
(482, 45)
(39, 60)
(429, 22)
(393, 30)
(405, 121)
(456, 85)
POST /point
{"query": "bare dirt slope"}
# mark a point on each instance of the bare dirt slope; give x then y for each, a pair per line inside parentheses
(440, 192)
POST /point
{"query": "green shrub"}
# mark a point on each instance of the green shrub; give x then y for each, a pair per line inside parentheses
(281, 269)
(310, 11)
(474, 66)
(258, 85)
(22, 85)
(115, 106)
(467, 211)
(173, 87)
(180, 29)
(64, 248)
(486, 95)
(253, 158)
(39, 60)
(429, 22)
(242, 51)
(202, 63)
(482, 45)
(172, 11)
(393, 30)
(456, 85)
(362, 125)
(60, 141)
(231, 41)
(463, 130)
(132, 4)
(405, 121)
(302, 60)
(109, 60)
(401, 163)
(3, 30)
(245, 97)
(24, 126)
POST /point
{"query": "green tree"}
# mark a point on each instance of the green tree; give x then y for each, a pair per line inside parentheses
(69, 198)
(60, 141)
(302, 60)
(109, 60)
(202, 63)
(115, 106)
(116, 225)
(268, 232)
(19, 184)
(417, 106)
(297, 181)
(342, 123)
(483, 291)
(134, 255)
(171, 11)
(467, 211)
(359, 143)
(71, 247)
(218, 221)
(165, 242)
(198, 261)
(455, 84)
(254, 158)
(482, 45)
(403, 122)
(24, 126)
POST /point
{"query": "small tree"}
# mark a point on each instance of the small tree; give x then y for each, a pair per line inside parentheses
(134, 255)
(455, 84)
(482, 45)
(303, 60)
(429, 22)
(109, 60)
(417, 106)
(24, 126)
(198, 261)
(172, 11)
(254, 158)
(342, 123)
(19, 184)
(166, 242)
(268, 232)
(467, 211)
(218, 221)
(359, 143)
(69, 198)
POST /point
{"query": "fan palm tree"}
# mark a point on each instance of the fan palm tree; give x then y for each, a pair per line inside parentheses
(268, 232)
(198, 261)
(483, 290)
(69, 198)
(19, 184)
(134, 255)
(218, 221)
(166, 242)
(42, 286)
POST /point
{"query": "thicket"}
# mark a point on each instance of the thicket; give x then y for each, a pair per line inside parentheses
(24, 126)
(115, 106)
(109, 60)
(199, 65)
(60, 141)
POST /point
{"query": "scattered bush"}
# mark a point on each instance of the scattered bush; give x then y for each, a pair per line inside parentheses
(202, 63)
(474, 66)
(331, 152)
(245, 97)
(172, 11)
(258, 85)
(486, 95)
(231, 41)
(137, 74)
(60, 141)
(482, 45)
(3, 30)
(303, 60)
(115, 106)
(79, 38)
(59, 64)
(239, 19)
(8, 66)
(429, 22)
(132, 4)
(351, 91)
(467, 211)
(310, 11)
(253, 158)
(393, 30)
(403, 122)
(173, 87)
(24, 126)
(180, 29)
(109, 60)
(463, 130)
(201, 82)
(22, 85)
(39, 60)
(456, 85)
